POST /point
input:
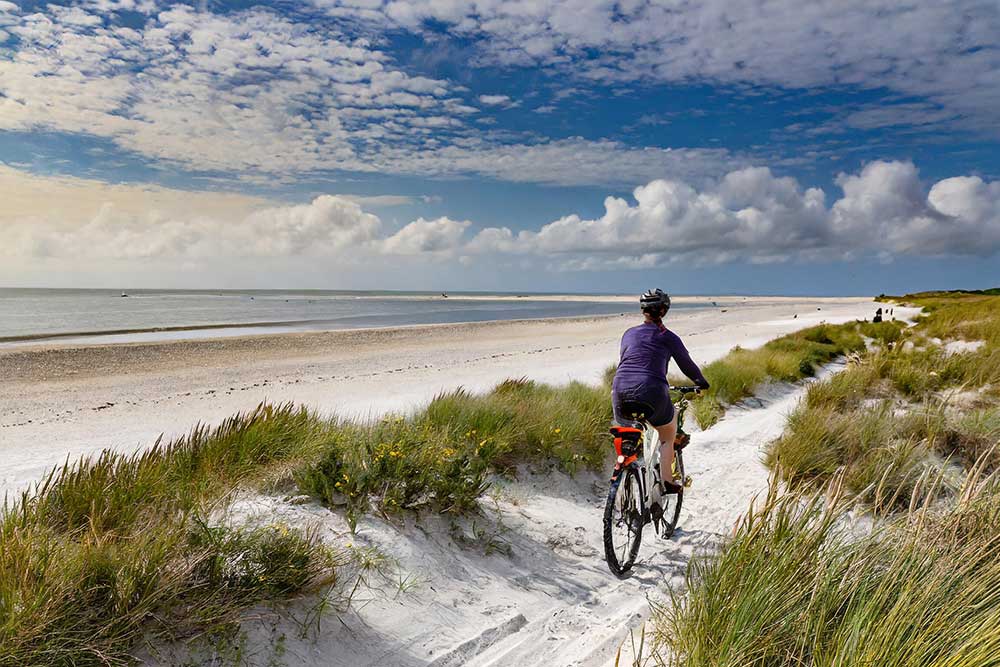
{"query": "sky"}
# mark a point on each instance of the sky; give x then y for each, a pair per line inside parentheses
(759, 147)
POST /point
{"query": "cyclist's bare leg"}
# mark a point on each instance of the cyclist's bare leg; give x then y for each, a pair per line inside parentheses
(667, 434)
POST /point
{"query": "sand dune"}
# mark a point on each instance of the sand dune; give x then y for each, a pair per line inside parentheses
(526, 583)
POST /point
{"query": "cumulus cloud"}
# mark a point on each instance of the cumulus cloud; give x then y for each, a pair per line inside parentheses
(751, 215)
(73, 218)
(498, 101)
(325, 226)
(426, 236)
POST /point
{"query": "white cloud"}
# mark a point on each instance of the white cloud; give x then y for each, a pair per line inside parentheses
(572, 161)
(753, 216)
(380, 200)
(74, 219)
(255, 93)
(943, 51)
(249, 91)
(498, 101)
(750, 215)
(885, 206)
(426, 236)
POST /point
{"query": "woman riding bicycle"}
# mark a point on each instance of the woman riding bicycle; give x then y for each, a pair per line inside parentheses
(642, 377)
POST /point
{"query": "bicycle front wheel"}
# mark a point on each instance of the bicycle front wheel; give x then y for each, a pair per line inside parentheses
(623, 521)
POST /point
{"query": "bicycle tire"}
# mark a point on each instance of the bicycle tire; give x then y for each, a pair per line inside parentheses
(672, 513)
(626, 483)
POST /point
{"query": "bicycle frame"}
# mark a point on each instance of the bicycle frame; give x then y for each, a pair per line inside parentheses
(634, 496)
(649, 463)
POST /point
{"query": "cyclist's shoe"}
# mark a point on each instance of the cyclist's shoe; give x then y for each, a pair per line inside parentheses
(665, 487)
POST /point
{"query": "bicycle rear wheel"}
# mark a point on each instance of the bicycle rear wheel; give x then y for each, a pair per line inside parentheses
(623, 521)
(672, 502)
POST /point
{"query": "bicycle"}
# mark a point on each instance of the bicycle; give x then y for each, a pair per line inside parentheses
(633, 498)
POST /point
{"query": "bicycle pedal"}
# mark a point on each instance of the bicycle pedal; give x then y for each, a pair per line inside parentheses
(688, 481)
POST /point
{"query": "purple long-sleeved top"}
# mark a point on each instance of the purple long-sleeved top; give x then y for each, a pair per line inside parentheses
(645, 352)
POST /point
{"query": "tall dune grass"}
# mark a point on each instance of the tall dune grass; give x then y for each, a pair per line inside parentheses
(795, 356)
(803, 582)
(107, 551)
(890, 414)
(440, 457)
(793, 586)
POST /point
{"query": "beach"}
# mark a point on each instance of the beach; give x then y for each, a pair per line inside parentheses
(60, 400)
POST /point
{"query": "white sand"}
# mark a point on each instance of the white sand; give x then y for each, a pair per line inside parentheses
(58, 401)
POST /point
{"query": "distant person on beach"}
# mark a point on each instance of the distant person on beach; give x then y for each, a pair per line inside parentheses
(641, 377)
(878, 316)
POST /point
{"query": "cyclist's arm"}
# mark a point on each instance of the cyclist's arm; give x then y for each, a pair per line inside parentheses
(685, 363)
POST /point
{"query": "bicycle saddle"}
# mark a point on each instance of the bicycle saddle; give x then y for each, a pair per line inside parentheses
(635, 410)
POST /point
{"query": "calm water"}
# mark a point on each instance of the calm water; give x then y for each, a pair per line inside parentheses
(105, 316)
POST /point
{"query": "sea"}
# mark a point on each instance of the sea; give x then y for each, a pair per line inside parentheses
(30, 316)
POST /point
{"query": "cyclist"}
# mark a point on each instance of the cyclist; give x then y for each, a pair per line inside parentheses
(642, 376)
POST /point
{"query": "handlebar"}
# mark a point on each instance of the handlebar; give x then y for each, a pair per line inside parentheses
(688, 390)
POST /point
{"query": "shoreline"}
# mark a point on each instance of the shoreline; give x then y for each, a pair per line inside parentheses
(90, 337)
(42, 338)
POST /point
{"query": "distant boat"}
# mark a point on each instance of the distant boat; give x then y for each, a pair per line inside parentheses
(444, 294)
(124, 295)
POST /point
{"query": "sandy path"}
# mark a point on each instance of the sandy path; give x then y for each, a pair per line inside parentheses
(59, 401)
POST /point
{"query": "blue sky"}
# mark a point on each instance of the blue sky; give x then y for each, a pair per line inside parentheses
(764, 147)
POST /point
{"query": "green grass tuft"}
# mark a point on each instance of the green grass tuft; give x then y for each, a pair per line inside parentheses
(110, 550)
(792, 588)
(789, 358)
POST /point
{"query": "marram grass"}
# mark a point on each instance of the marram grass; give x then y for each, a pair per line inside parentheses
(792, 357)
(112, 550)
(895, 412)
(795, 586)
(108, 551)
(440, 457)
(811, 577)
